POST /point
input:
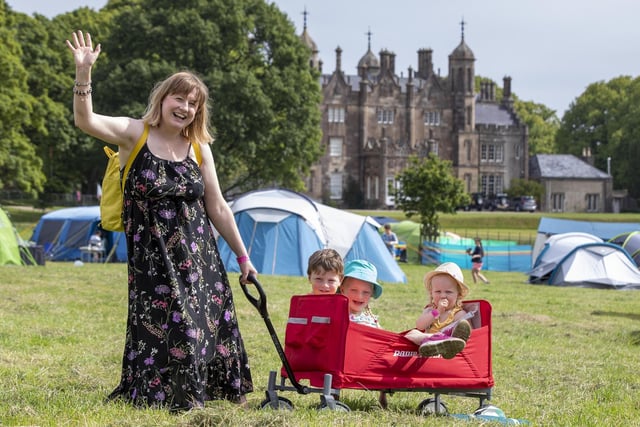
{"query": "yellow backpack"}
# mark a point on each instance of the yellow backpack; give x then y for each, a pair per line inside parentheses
(111, 202)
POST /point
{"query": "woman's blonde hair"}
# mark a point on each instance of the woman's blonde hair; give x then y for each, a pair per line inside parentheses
(182, 83)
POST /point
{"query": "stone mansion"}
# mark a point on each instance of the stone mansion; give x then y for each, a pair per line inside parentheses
(374, 120)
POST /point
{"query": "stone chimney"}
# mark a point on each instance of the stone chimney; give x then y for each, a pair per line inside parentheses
(387, 62)
(425, 63)
(506, 89)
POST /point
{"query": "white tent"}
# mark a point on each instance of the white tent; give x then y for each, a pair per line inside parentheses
(582, 259)
(282, 228)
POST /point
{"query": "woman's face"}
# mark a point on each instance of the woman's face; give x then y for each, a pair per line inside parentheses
(358, 292)
(179, 110)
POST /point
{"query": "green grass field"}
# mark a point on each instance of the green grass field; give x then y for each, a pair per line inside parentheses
(561, 356)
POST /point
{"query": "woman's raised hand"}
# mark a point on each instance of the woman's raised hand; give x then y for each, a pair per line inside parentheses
(83, 52)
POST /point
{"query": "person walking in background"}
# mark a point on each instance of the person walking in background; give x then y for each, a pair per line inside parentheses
(390, 239)
(476, 261)
(183, 345)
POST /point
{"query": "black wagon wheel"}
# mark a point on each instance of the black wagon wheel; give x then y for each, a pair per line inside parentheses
(340, 407)
(432, 407)
(284, 404)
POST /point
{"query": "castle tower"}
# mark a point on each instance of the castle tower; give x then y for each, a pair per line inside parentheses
(461, 84)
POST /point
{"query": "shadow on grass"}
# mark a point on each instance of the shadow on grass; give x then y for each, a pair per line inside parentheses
(632, 316)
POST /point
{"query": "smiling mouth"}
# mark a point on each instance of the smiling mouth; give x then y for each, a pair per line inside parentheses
(180, 116)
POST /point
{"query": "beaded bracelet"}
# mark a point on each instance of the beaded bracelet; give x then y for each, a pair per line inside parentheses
(82, 92)
(242, 259)
(77, 83)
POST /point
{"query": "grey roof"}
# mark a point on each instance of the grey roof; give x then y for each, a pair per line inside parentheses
(563, 166)
(493, 114)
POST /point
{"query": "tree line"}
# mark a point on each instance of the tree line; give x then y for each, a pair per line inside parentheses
(265, 97)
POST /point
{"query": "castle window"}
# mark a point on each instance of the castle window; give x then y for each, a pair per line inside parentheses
(491, 153)
(432, 118)
(335, 147)
(369, 188)
(385, 116)
(491, 184)
(433, 147)
(336, 114)
(335, 186)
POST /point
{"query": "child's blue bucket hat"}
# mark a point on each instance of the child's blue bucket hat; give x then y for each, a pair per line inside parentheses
(365, 271)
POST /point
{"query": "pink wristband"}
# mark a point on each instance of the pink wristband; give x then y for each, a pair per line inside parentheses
(242, 259)
(435, 313)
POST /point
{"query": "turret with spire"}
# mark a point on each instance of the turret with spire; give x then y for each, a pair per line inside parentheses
(368, 66)
(314, 61)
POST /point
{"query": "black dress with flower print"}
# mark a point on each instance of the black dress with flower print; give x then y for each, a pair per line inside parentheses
(183, 345)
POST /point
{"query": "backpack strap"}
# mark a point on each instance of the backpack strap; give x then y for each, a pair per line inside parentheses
(134, 153)
(198, 153)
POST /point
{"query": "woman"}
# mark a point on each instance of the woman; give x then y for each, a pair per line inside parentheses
(183, 345)
(476, 262)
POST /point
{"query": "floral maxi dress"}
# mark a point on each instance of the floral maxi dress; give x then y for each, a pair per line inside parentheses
(183, 345)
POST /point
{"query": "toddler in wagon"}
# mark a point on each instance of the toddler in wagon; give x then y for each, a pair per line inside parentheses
(359, 284)
(324, 271)
(442, 328)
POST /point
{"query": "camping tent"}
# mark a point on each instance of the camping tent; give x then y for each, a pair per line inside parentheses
(604, 230)
(9, 250)
(630, 241)
(585, 260)
(63, 232)
(282, 228)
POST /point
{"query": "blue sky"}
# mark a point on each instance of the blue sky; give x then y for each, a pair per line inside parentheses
(551, 49)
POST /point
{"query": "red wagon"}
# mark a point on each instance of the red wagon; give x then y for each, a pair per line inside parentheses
(325, 349)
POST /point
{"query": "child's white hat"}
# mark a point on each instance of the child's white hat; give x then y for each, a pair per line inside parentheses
(450, 269)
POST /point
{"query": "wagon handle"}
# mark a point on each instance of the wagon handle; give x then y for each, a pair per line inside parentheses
(261, 304)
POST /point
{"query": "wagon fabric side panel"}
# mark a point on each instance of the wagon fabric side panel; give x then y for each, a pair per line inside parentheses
(378, 359)
(315, 336)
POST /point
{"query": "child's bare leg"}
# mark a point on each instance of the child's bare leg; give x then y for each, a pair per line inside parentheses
(416, 336)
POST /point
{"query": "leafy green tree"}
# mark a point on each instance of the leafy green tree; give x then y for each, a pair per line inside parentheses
(427, 186)
(264, 95)
(20, 167)
(593, 118)
(524, 187)
(542, 123)
(625, 142)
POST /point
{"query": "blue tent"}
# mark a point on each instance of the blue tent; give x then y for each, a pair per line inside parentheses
(282, 228)
(62, 232)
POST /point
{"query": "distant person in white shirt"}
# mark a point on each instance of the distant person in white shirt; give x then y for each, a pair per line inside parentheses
(96, 245)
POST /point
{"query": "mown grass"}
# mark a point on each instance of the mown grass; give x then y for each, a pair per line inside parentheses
(561, 356)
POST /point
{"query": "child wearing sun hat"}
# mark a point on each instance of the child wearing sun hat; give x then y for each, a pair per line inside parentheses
(359, 284)
(442, 328)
